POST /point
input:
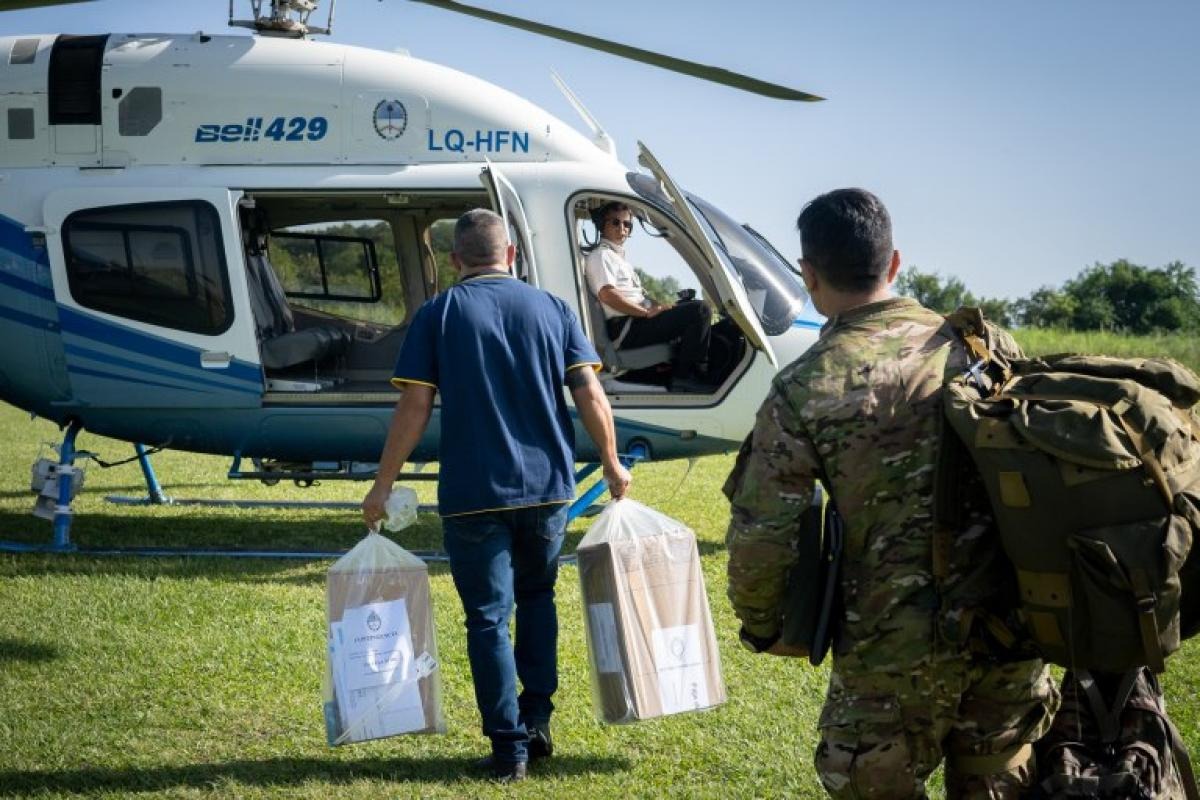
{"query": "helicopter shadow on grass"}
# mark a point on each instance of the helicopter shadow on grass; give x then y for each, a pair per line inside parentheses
(198, 529)
(202, 531)
(279, 772)
(22, 650)
(131, 490)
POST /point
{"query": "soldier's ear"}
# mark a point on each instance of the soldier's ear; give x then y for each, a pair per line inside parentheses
(809, 275)
(894, 267)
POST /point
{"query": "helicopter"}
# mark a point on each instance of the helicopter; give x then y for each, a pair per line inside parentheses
(231, 270)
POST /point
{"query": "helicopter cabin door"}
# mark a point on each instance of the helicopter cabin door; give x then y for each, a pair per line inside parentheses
(152, 298)
(732, 294)
(507, 203)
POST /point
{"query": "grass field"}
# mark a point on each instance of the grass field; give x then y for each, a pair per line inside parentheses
(200, 677)
(1184, 349)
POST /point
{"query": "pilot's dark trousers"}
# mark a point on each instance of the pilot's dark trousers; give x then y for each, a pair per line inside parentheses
(688, 321)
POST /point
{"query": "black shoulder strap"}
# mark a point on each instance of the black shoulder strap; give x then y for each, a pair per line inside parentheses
(1183, 762)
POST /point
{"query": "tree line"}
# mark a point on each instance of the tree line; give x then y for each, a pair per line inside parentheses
(1121, 297)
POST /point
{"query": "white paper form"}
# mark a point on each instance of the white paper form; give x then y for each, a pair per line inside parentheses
(375, 676)
(679, 662)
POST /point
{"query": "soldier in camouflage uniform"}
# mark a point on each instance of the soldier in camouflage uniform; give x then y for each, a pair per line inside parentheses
(919, 673)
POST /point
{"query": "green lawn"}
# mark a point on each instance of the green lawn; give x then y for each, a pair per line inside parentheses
(1181, 347)
(191, 677)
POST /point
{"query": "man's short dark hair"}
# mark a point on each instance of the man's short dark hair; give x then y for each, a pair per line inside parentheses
(846, 235)
(480, 238)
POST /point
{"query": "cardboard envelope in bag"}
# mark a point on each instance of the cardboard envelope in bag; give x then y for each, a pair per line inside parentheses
(381, 678)
(650, 635)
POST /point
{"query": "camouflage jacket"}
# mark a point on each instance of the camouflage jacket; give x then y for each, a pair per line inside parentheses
(860, 412)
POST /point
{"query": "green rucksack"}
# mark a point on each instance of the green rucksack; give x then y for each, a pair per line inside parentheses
(1092, 467)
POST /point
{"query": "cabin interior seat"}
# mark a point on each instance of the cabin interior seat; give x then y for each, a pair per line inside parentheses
(618, 361)
(280, 343)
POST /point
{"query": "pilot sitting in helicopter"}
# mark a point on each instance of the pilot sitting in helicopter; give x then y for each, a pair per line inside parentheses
(631, 317)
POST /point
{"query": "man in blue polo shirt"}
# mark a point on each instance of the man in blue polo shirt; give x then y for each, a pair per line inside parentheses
(499, 352)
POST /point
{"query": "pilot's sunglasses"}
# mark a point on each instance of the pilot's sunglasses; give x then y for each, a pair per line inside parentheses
(627, 224)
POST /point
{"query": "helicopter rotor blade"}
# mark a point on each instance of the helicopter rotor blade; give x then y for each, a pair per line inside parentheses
(702, 71)
(17, 5)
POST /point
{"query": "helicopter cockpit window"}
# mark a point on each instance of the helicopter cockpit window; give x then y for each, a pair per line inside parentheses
(776, 293)
(160, 263)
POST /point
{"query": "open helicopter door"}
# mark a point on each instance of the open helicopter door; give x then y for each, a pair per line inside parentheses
(152, 298)
(507, 203)
(731, 292)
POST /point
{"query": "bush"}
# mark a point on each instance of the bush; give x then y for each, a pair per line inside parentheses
(1120, 296)
(928, 289)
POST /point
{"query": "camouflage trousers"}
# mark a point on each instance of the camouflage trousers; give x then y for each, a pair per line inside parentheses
(883, 735)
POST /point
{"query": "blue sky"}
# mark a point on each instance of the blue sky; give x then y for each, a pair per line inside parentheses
(1015, 143)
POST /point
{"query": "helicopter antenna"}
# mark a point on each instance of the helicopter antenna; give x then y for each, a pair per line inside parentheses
(600, 137)
(283, 18)
(702, 71)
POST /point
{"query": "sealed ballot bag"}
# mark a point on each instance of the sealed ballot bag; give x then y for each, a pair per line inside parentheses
(650, 635)
(382, 677)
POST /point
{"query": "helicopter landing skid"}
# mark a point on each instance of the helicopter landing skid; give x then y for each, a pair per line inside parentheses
(61, 543)
(304, 478)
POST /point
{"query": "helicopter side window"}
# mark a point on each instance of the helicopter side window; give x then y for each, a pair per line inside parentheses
(343, 268)
(441, 242)
(327, 267)
(159, 263)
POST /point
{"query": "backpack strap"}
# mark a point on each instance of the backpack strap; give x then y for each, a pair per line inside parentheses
(1183, 761)
(1108, 718)
(968, 323)
(1147, 620)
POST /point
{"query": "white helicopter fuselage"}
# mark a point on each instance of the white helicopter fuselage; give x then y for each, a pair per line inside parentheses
(131, 161)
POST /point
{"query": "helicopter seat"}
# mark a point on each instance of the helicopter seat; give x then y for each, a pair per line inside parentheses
(618, 361)
(280, 343)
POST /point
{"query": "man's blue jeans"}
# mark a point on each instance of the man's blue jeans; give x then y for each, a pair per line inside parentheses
(496, 558)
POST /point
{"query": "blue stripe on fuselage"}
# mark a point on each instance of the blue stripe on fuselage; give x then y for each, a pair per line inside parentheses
(74, 370)
(20, 284)
(41, 323)
(807, 323)
(14, 239)
(137, 366)
(118, 336)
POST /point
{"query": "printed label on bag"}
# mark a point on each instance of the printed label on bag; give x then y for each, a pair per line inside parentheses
(679, 662)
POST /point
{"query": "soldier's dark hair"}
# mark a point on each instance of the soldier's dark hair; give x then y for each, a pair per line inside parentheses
(846, 235)
(480, 238)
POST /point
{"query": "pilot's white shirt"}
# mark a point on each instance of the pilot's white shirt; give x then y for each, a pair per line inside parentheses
(606, 266)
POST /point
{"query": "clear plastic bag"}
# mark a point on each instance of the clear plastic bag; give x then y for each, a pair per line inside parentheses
(381, 677)
(401, 508)
(651, 644)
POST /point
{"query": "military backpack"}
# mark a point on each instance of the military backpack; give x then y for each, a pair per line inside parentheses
(1092, 467)
(1092, 470)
